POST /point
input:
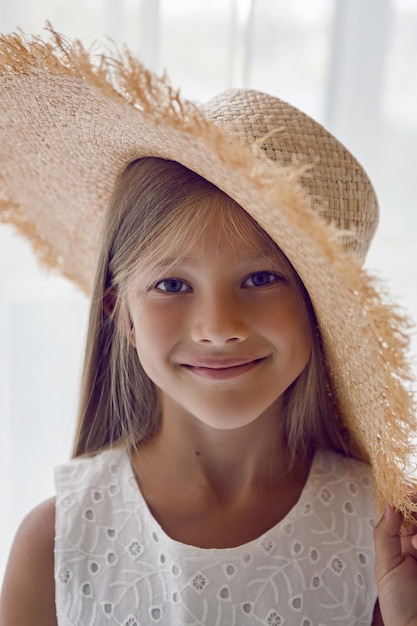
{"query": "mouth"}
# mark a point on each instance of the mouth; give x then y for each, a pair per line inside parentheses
(222, 369)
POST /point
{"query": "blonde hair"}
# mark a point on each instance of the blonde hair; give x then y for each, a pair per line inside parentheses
(157, 202)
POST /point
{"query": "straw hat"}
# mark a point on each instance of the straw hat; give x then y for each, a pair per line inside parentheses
(68, 126)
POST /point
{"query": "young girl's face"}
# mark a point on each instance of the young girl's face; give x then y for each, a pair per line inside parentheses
(220, 328)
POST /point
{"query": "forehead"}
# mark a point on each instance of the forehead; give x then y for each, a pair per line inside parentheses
(208, 222)
(226, 220)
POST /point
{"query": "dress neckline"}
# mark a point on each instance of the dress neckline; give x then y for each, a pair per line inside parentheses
(132, 492)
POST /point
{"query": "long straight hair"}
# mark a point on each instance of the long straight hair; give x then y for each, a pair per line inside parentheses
(156, 205)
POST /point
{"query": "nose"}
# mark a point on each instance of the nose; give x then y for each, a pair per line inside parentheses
(219, 319)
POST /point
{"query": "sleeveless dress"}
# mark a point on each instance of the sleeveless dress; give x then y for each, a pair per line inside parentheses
(114, 564)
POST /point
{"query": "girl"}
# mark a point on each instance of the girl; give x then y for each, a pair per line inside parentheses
(244, 396)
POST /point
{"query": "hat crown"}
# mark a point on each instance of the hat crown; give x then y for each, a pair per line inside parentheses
(339, 189)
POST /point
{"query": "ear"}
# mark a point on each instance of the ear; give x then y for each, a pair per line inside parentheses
(109, 307)
(131, 335)
(109, 302)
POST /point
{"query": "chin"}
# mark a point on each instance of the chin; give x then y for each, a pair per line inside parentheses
(227, 423)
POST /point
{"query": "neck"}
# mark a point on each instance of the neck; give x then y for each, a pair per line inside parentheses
(200, 482)
(228, 462)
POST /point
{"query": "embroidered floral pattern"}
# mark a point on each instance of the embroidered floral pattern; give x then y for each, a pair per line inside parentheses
(114, 564)
(199, 582)
(274, 619)
(267, 544)
(135, 548)
(64, 574)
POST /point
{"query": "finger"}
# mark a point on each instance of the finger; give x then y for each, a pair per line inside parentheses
(408, 545)
(387, 539)
(407, 532)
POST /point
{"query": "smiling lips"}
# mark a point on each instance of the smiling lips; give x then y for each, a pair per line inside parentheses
(222, 369)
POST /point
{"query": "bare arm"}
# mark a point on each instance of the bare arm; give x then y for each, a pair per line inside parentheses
(28, 593)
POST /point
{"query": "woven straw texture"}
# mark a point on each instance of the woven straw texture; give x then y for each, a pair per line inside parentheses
(69, 125)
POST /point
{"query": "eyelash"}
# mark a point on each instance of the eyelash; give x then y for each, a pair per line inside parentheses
(171, 280)
(275, 278)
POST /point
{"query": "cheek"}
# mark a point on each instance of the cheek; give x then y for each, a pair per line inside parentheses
(154, 331)
(305, 340)
(290, 324)
(302, 331)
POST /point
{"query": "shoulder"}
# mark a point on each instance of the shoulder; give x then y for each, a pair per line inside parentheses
(346, 480)
(86, 467)
(330, 463)
(87, 480)
(28, 594)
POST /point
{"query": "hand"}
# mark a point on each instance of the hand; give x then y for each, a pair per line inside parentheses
(396, 570)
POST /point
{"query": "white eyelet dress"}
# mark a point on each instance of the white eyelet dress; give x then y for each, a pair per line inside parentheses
(115, 565)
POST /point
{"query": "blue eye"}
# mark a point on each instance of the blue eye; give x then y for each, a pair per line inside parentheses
(262, 279)
(172, 285)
